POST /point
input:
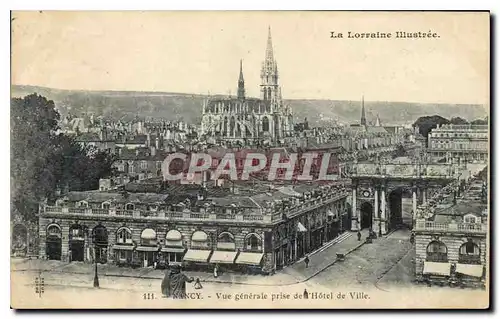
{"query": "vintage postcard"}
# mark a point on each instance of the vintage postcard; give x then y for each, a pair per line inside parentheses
(253, 160)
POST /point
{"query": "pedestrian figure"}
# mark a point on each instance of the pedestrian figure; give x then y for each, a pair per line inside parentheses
(359, 235)
(216, 270)
(306, 261)
(412, 238)
(306, 294)
(174, 283)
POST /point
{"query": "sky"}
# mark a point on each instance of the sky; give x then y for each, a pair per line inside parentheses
(199, 52)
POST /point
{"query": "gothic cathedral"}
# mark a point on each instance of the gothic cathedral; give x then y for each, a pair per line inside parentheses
(250, 119)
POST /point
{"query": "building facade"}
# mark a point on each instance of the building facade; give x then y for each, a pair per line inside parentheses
(468, 143)
(451, 238)
(249, 119)
(263, 232)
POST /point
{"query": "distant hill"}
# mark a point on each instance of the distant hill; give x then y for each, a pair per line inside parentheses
(129, 104)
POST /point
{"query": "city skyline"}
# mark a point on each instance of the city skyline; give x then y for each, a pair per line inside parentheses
(93, 46)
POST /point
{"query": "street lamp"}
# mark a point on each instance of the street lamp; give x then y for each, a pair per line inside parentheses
(96, 277)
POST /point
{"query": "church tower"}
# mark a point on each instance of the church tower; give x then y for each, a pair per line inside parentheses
(241, 84)
(363, 115)
(269, 87)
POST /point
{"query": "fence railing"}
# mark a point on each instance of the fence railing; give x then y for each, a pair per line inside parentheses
(266, 217)
(422, 225)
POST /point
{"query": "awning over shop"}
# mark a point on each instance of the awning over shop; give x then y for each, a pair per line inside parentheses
(197, 255)
(433, 268)
(173, 249)
(301, 228)
(123, 247)
(223, 257)
(249, 258)
(147, 248)
(470, 270)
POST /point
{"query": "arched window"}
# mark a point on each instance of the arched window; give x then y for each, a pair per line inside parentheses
(253, 242)
(224, 132)
(437, 252)
(54, 230)
(199, 239)
(124, 236)
(232, 126)
(225, 241)
(100, 234)
(105, 205)
(76, 232)
(265, 124)
(53, 242)
(469, 253)
(82, 204)
(130, 206)
(148, 237)
(173, 238)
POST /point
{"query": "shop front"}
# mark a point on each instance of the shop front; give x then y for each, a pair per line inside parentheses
(100, 239)
(173, 251)
(124, 248)
(197, 259)
(123, 254)
(225, 254)
(197, 256)
(250, 262)
(149, 248)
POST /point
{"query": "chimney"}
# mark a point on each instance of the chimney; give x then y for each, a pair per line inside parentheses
(136, 152)
(157, 142)
(153, 151)
(101, 134)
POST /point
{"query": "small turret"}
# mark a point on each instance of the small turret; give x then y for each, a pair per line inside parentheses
(241, 83)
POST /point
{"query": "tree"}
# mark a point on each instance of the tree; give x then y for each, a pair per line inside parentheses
(480, 122)
(426, 123)
(458, 121)
(43, 161)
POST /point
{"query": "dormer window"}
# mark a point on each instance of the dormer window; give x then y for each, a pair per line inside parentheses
(471, 219)
(130, 206)
(82, 204)
(105, 205)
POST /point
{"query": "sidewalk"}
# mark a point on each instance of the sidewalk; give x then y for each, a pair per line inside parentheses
(296, 273)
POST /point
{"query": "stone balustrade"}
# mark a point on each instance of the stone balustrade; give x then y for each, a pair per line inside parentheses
(266, 218)
(403, 170)
(424, 225)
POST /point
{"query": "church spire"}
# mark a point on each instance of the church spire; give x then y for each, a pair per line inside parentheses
(241, 83)
(377, 123)
(269, 49)
(363, 115)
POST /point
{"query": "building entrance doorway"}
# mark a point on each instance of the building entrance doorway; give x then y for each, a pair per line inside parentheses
(366, 215)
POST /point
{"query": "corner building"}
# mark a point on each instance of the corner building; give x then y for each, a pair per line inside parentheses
(259, 233)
